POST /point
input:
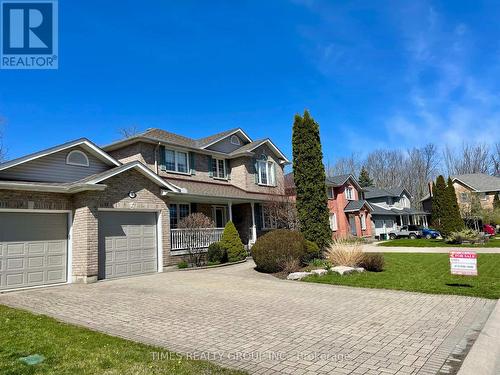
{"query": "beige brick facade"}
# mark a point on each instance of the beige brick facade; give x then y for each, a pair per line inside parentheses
(464, 197)
(85, 208)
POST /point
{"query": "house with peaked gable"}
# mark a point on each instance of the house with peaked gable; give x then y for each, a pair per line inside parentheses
(350, 213)
(78, 213)
(392, 209)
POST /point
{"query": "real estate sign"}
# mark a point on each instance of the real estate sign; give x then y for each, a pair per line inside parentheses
(463, 263)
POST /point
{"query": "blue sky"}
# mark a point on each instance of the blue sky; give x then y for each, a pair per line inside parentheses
(373, 74)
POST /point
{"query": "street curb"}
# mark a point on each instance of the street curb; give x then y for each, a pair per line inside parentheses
(484, 356)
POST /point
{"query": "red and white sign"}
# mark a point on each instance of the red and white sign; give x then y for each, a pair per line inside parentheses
(463, 263)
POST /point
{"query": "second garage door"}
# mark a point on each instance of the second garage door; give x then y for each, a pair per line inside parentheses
(127, 244)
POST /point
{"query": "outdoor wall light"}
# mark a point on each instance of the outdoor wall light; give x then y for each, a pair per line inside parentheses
(132, 194)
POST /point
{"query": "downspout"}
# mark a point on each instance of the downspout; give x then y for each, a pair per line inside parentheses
(156, 157)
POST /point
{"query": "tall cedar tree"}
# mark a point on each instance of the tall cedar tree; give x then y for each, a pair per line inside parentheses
(364, 178)
(455, 221)
(439, 205)
(496, 201)
(309, 176)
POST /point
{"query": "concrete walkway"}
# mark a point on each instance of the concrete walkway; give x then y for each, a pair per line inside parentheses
(240, 318)
(373, 248)
(484, 357)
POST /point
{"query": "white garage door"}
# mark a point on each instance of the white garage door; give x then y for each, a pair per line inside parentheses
(127, 244)
(33, 249)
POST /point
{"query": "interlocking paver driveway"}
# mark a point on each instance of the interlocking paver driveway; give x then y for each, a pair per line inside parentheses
(244, 319)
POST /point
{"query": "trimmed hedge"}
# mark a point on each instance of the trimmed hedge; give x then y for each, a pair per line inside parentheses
(231, 242)
(272, 251)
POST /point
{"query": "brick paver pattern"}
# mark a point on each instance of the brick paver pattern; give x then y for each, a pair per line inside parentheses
(244, 319)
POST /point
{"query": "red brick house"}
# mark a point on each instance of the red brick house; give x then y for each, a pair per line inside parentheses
(350, 215)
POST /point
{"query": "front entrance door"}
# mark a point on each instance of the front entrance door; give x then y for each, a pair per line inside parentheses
(220, 216)
(352, 224)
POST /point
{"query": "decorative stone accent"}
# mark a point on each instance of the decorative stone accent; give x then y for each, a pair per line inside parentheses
(345, 270)
(319, 272)
(298, 275)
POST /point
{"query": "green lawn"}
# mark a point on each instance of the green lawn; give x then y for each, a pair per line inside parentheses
(422, 242)
(73, 350)
(427, 273)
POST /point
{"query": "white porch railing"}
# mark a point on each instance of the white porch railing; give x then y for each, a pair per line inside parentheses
(182, 239)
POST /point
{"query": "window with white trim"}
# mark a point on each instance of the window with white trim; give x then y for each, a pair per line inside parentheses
(178, 211)
(333, 221)
(349, 193)
(235, 140)
(464, 197)
(77, 157)
(363, 221)
(219, 168)
(265, 170)
(268, 221)
(330, 192)
(176, 161)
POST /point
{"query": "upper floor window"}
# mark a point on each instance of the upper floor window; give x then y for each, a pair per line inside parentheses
(219, 169)
(464, 197)
(349, 193)
(482, 196)
(333, 222)
(330, 192)
(176, 161)
(266, 173)
(77, 157)
(235, 140)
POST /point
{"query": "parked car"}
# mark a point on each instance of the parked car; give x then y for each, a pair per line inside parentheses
(489, 229)
(406, 231)
(430, 233)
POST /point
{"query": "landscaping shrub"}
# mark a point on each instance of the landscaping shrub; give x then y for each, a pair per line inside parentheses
(373, 262)
(182, 264)
(459, 237)
(231, 242)
(344, 253)
(312, 251)
(272, 250)
(290, 265)
(217, 253)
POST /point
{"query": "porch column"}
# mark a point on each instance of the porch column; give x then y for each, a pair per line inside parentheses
(254, 227)
(230, 209)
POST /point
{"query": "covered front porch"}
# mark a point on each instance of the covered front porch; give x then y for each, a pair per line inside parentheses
(246, 216)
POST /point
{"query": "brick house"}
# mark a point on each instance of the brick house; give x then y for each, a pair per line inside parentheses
(350, 214)
(78, 213)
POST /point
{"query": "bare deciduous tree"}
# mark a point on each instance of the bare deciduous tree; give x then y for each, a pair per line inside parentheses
(469, 158)
(495, 159)
(2, 148)
(347, 165)
(421, 167)
(283, 212)
(386, 168)
(193, 235)
(129, 131)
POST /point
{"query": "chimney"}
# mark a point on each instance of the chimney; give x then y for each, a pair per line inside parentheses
(429, 185)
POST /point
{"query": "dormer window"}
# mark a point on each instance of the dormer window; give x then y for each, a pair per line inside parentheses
(349, 193)
(235, 140)
(77, 157)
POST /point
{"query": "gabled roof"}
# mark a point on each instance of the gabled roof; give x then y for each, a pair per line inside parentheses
(202, 144)
(83, 142)
(355, 206)
(210, 140)
(479, 182)
(340, 180)
(375, 192)
(99, 177)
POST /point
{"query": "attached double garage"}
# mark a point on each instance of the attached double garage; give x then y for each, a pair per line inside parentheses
(36, 246)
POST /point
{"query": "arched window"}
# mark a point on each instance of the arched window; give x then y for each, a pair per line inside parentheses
(235, 140)
(77, 157)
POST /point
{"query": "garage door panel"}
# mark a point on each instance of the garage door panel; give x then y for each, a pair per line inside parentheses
(33, 249)
(132, 250)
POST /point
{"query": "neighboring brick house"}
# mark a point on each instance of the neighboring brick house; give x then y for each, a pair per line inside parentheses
(350, 214)
(391, 209)
(470, 186)
(77, 213)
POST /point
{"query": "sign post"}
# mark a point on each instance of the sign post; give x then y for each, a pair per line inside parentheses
(463, 263)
